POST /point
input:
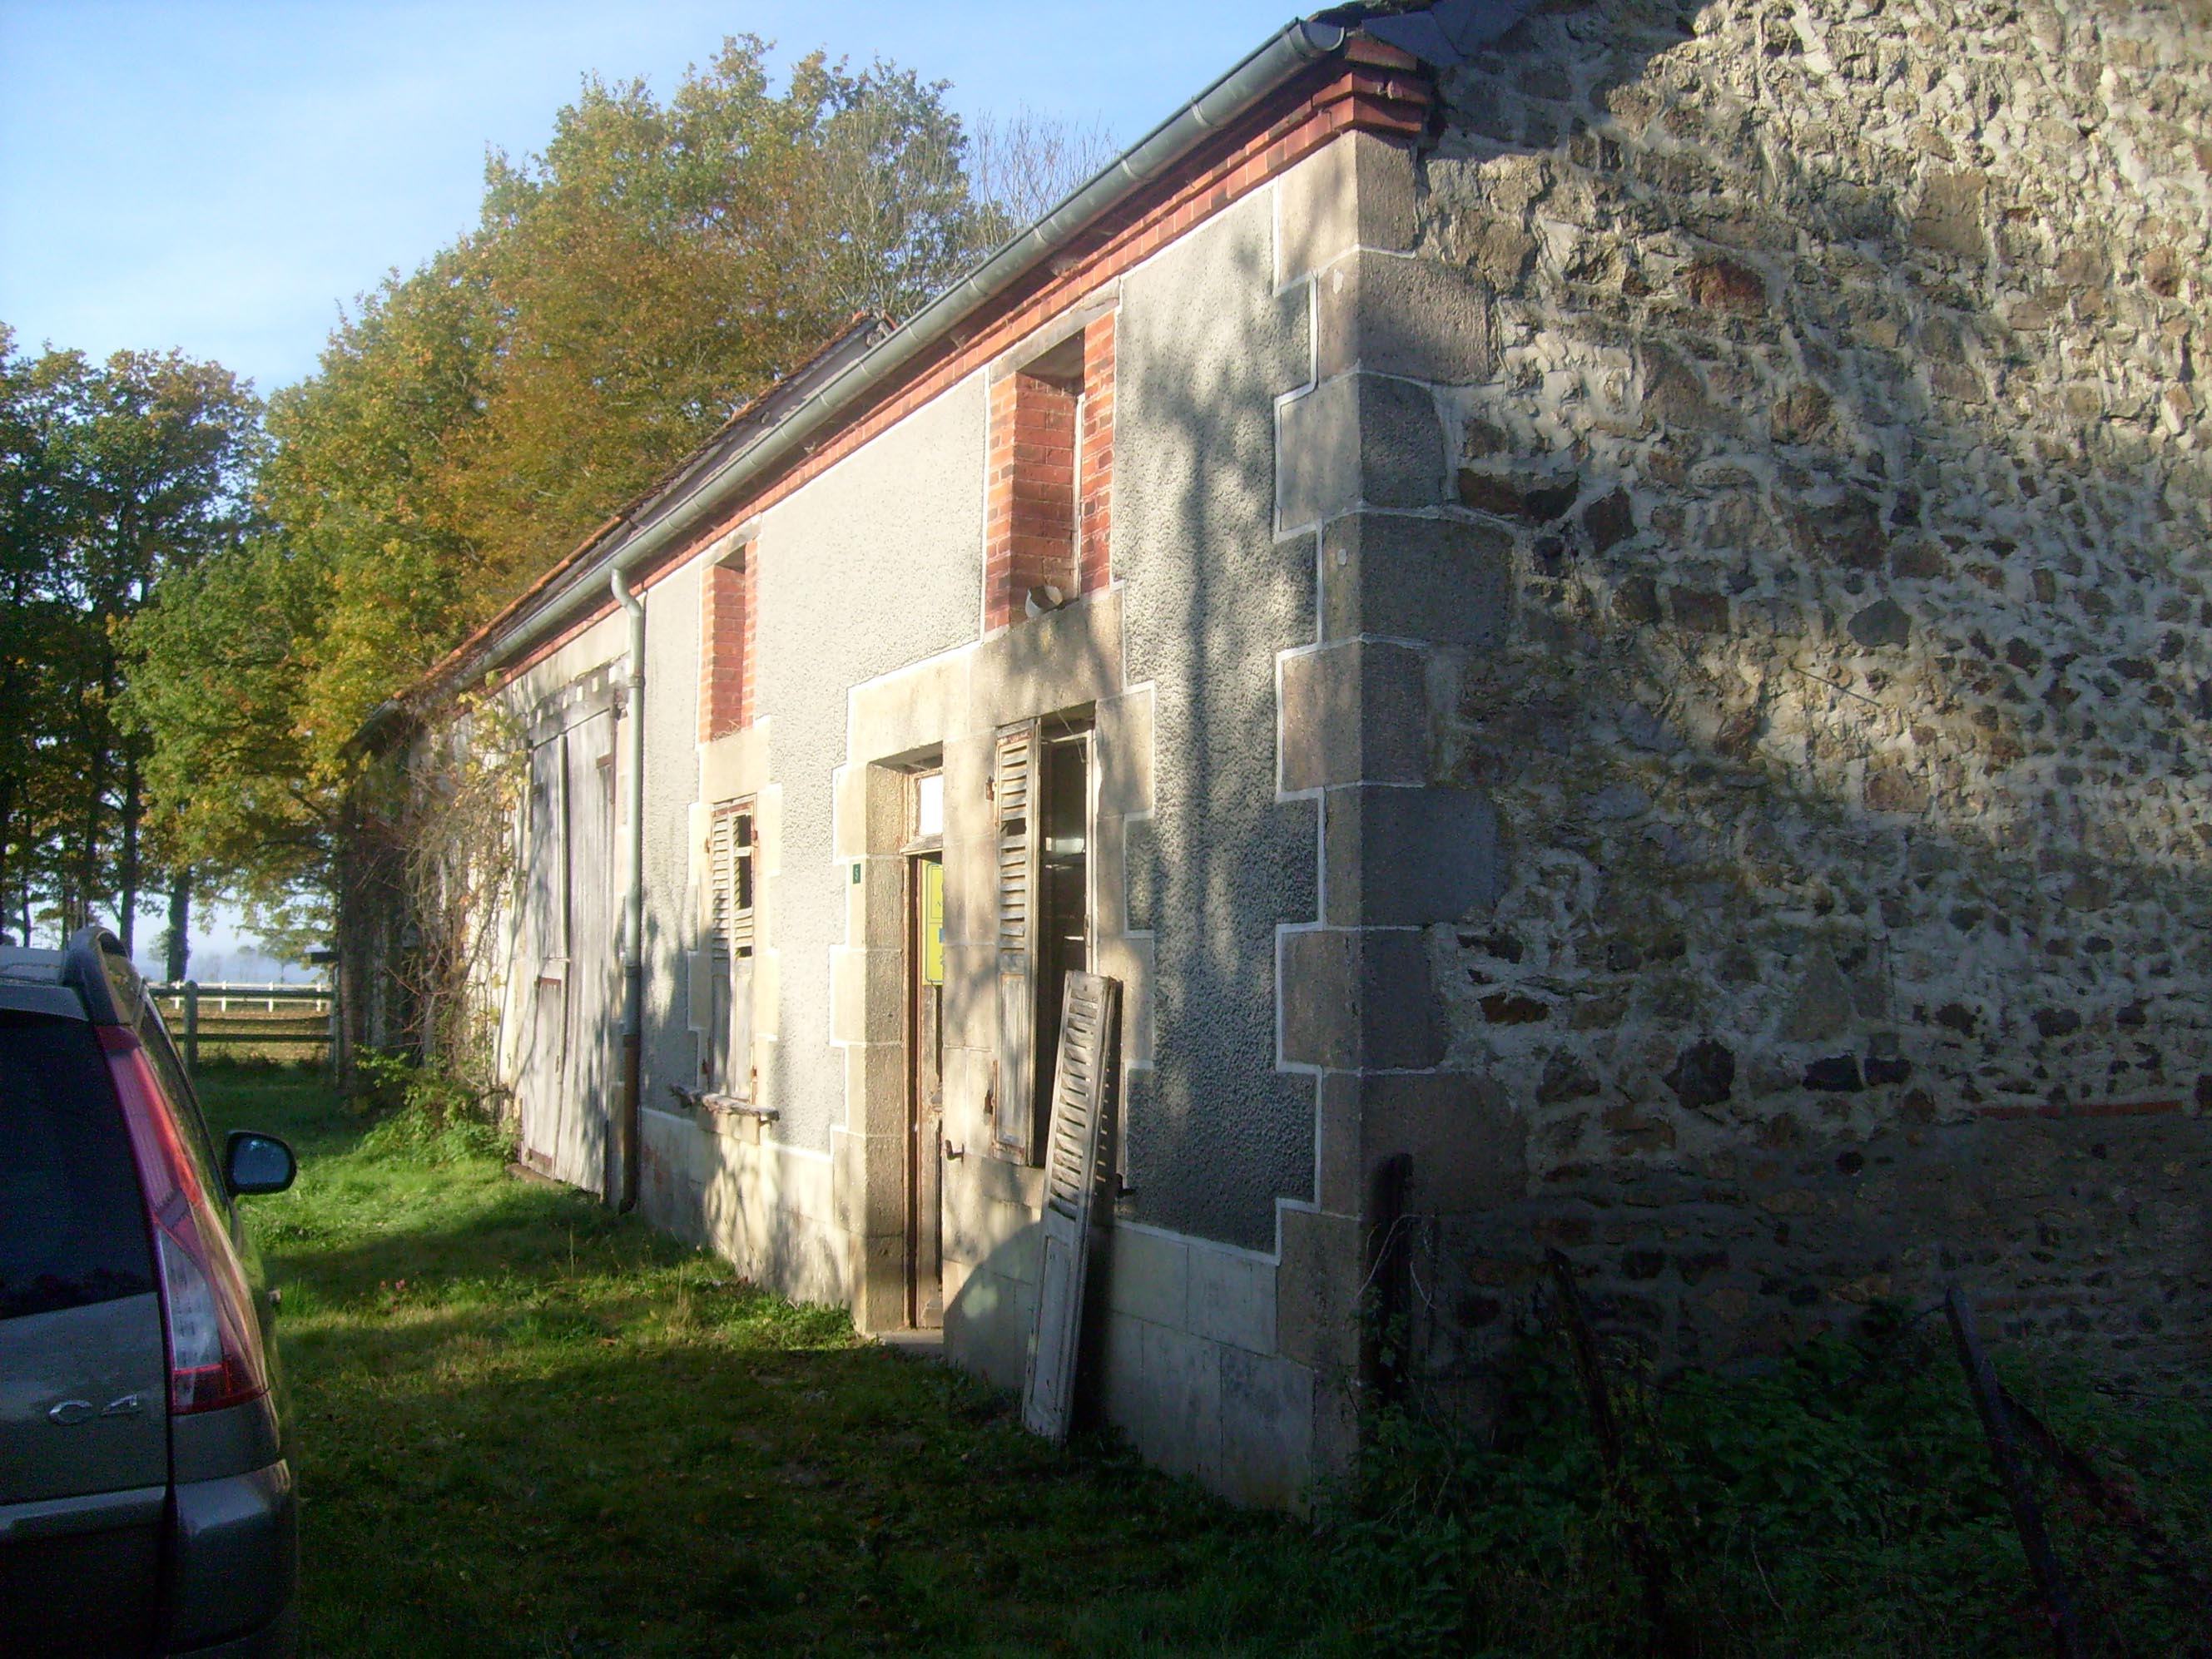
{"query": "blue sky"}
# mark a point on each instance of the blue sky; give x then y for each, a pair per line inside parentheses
(219, 175)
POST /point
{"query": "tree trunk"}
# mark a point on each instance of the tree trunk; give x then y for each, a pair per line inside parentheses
(178, 941)
(134, 808)
(7, 823)
(76, 906)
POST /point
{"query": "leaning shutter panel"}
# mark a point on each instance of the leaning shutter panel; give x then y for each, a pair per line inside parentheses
(1088, 1040)
(1013, 796)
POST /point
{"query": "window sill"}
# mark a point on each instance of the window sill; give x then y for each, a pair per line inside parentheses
(712, 1105)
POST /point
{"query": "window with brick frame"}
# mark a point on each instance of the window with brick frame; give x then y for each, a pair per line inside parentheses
(1051, 477)
(726, 1059)
(727, 654)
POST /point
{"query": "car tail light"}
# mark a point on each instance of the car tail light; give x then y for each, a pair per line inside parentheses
(206, 1310)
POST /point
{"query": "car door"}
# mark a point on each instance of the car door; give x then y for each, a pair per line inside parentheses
(84, 1452)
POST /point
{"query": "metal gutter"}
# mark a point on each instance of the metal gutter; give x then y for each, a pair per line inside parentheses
(622, 1179)
(693, 498)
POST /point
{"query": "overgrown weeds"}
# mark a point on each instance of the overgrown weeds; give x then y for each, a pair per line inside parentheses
(426, 1112)
(1841, 1502)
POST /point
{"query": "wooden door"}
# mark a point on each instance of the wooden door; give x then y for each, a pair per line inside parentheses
(925, 1093)
(582, 1144)
(542, 1077)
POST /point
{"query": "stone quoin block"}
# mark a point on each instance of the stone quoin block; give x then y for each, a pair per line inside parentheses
(1446, 580)
(1358, 439)
(1357, 999)
(1406, 858)
(1354, 712)
(1467, 1145)
(1356, 193)
(1420, 319)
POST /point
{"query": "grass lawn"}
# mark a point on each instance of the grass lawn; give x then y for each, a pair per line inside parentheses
(526, 1427)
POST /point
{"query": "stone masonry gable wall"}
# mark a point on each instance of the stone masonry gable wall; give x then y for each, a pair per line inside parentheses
(1815, 587)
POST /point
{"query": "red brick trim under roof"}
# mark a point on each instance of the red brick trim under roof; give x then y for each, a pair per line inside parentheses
(1369, 87)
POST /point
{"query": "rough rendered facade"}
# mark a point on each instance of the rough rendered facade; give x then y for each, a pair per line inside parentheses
(1602, 619)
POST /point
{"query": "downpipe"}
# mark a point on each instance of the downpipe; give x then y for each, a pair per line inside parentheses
(622, 1190)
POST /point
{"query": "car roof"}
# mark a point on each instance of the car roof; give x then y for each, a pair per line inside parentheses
(89, 978)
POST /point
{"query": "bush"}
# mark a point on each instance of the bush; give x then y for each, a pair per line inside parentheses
(427, 1114)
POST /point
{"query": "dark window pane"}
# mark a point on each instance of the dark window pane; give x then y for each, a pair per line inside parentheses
(171, 1070)
(1064, 874)
(72, 1226)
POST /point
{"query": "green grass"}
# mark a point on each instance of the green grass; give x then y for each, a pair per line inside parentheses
(526, 1427)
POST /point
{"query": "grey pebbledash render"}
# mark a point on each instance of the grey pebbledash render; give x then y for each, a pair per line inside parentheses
(1599, 611)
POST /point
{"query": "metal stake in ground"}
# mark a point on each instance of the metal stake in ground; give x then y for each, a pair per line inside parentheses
(1644, 1555)
(2004, 1453)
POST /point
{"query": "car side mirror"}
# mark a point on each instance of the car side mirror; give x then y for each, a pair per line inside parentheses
(256, 1163)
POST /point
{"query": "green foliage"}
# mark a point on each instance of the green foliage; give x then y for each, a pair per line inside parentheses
(1842, 1503)
(425, 1113)
(661, 262)
(114, 477)
(219, 677)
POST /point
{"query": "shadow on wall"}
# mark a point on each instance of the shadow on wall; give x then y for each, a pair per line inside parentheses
(1847, 741)
(1216, 1134)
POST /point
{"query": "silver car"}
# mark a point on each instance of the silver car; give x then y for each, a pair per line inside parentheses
(146, 1504)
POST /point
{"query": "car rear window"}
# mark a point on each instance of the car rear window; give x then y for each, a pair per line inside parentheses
(72, 1226)
(154, 1037)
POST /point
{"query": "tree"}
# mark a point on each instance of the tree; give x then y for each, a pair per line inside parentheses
(112, 475)
(1023, 165)
(661, 262)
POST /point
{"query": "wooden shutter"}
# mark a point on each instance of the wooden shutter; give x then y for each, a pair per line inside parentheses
(728, 1016)
(1014, 790)
(729, 856)
(1088, 1043)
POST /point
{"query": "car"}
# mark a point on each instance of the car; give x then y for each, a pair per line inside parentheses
(146, 1495)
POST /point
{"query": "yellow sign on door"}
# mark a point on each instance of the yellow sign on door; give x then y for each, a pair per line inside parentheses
(933, 922)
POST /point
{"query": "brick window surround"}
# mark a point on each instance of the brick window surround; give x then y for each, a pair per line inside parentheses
(728, 651)
(1051, 474)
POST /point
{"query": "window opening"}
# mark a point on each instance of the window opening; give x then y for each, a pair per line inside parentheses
(1051, 471)
(929, 806)
(1064, 892)
(729, 1063)
(728, 646)
(1040, 789)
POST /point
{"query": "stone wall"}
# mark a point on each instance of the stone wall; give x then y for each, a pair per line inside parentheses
(1846, 743)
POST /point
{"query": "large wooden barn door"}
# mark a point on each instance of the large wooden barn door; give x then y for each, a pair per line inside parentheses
(542, 1074)
(579, 1153)
(568, 1063)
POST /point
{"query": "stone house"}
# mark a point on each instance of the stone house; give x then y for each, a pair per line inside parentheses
(1599, 611)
